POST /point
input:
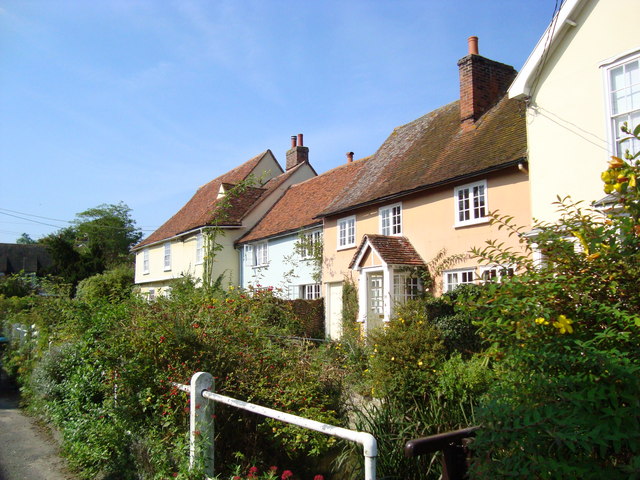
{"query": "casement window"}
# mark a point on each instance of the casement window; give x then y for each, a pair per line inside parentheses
(199, 248)
(347, 232)
(310, 292)
(167, 256)
(623, 101)
(454, 278)
(391, 220)
(248, 255)
(471, 203)
(309, 243)
(260, 254)
(495, 274)
(152, 294)
(405, 287)
(145, 261)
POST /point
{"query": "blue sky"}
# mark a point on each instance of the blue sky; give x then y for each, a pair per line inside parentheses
(142, 101)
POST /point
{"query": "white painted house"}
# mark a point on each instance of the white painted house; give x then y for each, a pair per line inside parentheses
(283, 250)
(580, 83)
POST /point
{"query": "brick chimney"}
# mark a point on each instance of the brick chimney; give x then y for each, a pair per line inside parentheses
(482, 83)
(298, 153)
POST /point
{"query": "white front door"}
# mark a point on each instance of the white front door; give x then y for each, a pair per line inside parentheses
(375, 300)
(333, 317)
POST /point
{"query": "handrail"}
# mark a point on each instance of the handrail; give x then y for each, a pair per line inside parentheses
(454, 461)
(203, 383)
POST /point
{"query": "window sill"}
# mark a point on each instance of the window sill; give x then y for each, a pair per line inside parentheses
(346, 247)
(470, 223)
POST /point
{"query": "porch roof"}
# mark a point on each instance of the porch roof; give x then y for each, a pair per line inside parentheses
(392, 251)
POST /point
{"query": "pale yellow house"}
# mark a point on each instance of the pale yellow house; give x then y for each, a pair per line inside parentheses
(430, 187)
(232, 203)
(581, 82)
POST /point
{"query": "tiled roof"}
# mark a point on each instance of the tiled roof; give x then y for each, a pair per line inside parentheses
(204, 206)
(436, 149)
(392, 250)
(303, 201)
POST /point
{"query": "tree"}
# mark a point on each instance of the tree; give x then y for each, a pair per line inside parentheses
(99, 239)
(107, 232)
(25, 239)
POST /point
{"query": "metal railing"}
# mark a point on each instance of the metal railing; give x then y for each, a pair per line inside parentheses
(454, 449)
(202, 425)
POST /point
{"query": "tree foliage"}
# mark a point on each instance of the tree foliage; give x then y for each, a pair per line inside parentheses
(100, 238)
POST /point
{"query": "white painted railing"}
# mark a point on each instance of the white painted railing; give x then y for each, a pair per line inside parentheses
(202, 426)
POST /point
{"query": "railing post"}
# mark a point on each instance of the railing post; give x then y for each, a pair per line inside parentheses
(201, 424)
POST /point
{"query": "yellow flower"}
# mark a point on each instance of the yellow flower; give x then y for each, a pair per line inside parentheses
(420, 363)
(542, 321)
(563, 324)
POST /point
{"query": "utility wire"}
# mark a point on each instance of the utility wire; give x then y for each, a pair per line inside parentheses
(4, 211)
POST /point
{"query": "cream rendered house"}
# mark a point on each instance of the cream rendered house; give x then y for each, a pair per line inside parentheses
(580, 83)
(234, 203)
(429, 187)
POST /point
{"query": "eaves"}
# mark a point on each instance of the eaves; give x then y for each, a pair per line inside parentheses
(422, 188)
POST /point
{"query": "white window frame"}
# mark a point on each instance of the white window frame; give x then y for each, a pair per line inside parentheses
(463, 276)
(145, 261)
(346, 232)
(405, 287)
(199, 248)
(476, 213)
(391, 219)
(151, 296)
(167, 256)
(614, 134)
(310, 239)
(499, 271)
(248, 254)
(310, 291)
(261, 254)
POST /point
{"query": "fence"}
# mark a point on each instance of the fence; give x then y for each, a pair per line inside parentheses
(202, 425)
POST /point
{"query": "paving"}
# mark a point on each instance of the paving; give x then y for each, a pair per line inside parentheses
(27, 449)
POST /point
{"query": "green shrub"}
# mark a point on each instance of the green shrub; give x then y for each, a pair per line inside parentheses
(114, 285)
(565, 337)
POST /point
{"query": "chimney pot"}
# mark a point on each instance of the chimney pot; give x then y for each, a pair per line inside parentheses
(349, 157)
(473, 45)
(298, 153)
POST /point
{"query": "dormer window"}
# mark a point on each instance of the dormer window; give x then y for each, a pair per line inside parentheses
(471, 204)
(391, 220)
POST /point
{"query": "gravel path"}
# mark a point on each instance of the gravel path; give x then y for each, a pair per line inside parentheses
(27, 450)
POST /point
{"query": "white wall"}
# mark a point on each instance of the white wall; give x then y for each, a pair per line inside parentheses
(567, 122)
(284, 270)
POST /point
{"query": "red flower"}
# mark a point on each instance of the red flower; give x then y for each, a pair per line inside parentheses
(318, 477)
(273, 468)
(253, 470)
(237, 478)
(286, 474)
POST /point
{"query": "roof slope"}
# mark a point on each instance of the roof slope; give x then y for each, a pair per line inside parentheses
(303, 201)
(436, 149)
(204, 207)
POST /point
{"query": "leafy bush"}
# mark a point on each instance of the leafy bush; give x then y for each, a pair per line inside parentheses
(565, 337)
(113, 285)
